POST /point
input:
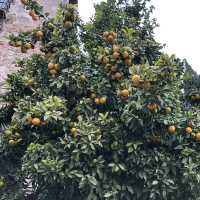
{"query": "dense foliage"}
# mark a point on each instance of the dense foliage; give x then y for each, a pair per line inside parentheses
(99, 113)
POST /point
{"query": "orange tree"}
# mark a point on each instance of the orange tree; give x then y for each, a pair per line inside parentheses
(98, 113)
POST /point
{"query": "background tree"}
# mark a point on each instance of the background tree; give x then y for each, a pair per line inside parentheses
(98, 113)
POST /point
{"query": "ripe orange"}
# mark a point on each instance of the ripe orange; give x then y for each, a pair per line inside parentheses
(39, 34)
(103, 100)
(83, 77)
(53, 72)
(97, 101)
(105, 34)
(51, 66)
(57, 67)
(198, 137)
(136, 79)
(24, 2)
(116, 55)
(171, 129)
(188, 130)
(30, 82)
(31, 13)
(124, 93)
(73, 131)
(36, 121)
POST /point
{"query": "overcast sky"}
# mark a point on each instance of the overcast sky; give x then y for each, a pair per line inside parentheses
(179, 26)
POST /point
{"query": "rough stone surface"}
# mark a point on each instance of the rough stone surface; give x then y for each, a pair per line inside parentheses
(17, 20)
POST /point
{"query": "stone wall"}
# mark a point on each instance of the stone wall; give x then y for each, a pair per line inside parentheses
(18, 20)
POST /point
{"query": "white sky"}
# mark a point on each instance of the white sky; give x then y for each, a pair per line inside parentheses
(179, 26)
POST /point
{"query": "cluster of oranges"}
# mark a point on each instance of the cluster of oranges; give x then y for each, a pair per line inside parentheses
(53, 68)
(124, 93)
(110, 37)
(100, 100)
(112, 58)
(35, 121)
(188, 130)
(24, 47)
(32, 13)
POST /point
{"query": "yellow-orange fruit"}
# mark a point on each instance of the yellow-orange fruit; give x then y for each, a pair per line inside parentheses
(136, 79)
(188, 130)
(97, 101)
(57, 67)
(103, 100)
(124, 93)
(171, 129)
(31, 13)
(24, 2)
(36, 121)
(83, 77)
(39, 34)
(197, 136)
(73, 131)
(53, 72)
(51, 66)
(105, 34)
